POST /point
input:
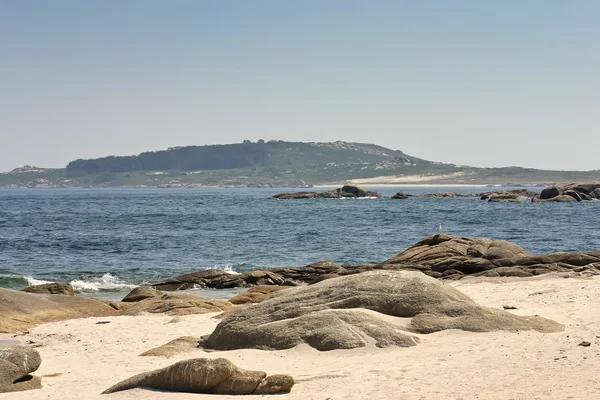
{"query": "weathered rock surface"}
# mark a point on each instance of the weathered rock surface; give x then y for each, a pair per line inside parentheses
(256, 294)
(16, 363)
(577, 191)
(332, 314)
(180, 345)
(52, 288)
(170, 303)
(346, 191)
(21, 310)
(210, 376)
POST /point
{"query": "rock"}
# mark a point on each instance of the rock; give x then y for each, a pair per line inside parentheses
(441, 253)
(175, 304)
(549, 192)
(578, 191)
(328, 315)
(515, 195)
(557, 199)
(52, 288)
(346, 191)
(433, 256)
(16, 363)
(507, 198)
(180, 345)
(256, 294)
(141, 293)
(210, 376)
(585, 344)
(21, 310)
(400, 195)
(217, 279)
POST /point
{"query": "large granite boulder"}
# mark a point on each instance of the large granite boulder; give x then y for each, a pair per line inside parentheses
(345, 312)
(52, 288)
(171, 304)
(21, 310)
(210, 376)
(346, 191)
(16, 363)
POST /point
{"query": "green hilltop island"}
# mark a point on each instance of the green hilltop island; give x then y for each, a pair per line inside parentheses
(276, 163)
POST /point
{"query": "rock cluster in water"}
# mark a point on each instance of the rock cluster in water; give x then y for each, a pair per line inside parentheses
(346, 191)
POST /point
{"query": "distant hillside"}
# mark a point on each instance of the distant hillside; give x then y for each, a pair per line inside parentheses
(274, 164)
(250, 155)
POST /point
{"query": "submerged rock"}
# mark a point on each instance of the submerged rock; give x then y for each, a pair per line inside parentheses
(210, 376)
(16, 363)
(338, 314)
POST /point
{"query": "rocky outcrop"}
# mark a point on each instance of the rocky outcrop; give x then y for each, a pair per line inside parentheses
(219, 279)
(52, 288)
(453, 257)
(210, 376)
(16, 363)
(256, 294)
(21, 310)
(346, 191)
(180, 345)
(345, 313)
(577, 192)
(440, 256)
(170, 303)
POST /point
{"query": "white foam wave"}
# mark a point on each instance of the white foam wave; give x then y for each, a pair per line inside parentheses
(227, 268)
(106, 282)
(33, 282)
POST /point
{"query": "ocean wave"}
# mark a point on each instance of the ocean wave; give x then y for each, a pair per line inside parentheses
(227, 268)
(105, 283)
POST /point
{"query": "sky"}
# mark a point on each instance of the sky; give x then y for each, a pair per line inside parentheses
(482, 83)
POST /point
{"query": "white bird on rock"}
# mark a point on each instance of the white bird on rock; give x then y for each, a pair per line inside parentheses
(439, 228)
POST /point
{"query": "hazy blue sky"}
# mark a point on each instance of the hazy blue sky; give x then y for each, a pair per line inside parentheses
(485, 83)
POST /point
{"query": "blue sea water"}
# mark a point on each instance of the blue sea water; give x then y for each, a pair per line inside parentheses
(109, 240)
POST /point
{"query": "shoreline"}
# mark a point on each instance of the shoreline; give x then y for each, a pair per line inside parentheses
(524, 364)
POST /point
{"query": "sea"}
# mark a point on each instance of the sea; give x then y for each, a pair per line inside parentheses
(108, 241)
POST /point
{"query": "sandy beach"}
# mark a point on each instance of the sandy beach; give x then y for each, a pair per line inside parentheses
(81, 358)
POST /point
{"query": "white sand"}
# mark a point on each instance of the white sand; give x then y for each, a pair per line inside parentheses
(446, 365)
